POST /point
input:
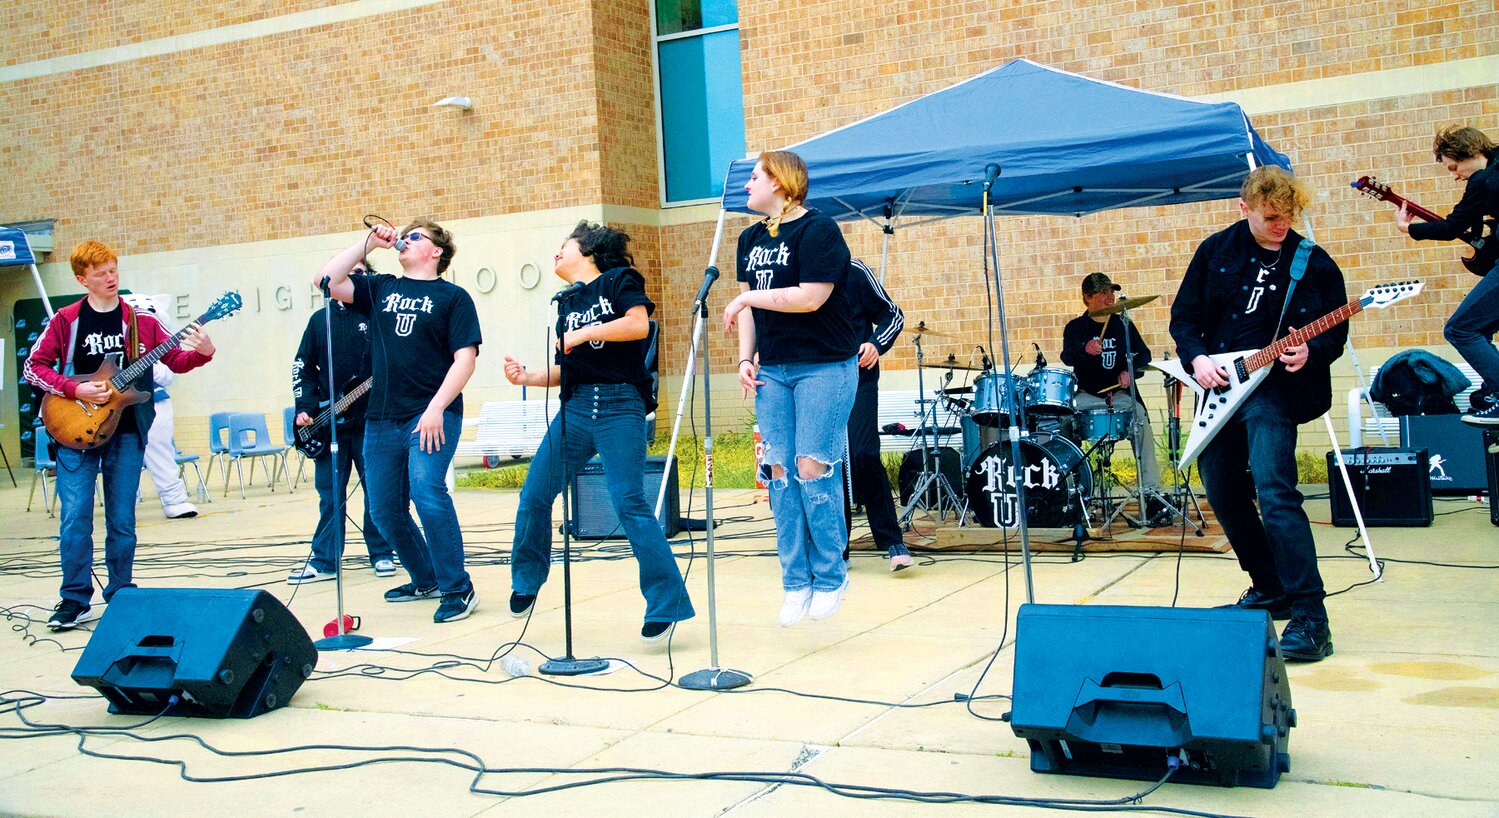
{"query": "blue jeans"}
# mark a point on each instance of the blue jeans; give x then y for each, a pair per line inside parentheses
(350, 454)
(1471, 326)
(121, 460)
(1274, 543)
(803, 413)
(398, 474)
(608, 419)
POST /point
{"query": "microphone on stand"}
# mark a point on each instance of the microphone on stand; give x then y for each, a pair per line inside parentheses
(568, 291)
(1040, 356)
(710, 275)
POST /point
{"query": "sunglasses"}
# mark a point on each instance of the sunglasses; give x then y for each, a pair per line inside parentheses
(415, 236)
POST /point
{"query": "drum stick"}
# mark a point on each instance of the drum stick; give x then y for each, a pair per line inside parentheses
(1108, 389)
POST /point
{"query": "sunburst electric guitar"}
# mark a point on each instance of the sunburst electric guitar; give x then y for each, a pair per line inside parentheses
(1485, 242)
(1248, 369)
(80, 424)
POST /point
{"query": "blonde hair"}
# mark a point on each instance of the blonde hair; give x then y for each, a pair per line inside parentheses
(1276, 187)
(790, 172)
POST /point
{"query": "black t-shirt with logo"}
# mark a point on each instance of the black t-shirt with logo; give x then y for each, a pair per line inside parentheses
(808, 249)
(1095, 373)
(1256, 308)
(418, 326)
(101, 335)
(606, 298)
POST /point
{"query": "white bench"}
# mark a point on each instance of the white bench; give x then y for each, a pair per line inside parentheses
(508, 427)
(899, 406)
(1382, 425)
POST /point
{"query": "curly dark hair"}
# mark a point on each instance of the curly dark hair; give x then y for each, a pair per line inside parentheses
(606, 247)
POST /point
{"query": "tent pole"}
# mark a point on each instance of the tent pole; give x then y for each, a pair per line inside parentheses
(37, 277)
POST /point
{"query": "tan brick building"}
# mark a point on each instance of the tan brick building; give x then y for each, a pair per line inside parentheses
(224, 145)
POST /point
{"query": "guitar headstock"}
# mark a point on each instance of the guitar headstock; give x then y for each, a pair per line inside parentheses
(1386, 294)
(226, 305)
(1372, 187)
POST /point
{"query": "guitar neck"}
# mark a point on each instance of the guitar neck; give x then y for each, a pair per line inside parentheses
(340, 405)
(132, 373)
(1415, 210)
(1270, 354)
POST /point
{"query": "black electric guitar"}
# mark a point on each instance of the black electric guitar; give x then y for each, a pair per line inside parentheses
(312, 439)
(1485, 243)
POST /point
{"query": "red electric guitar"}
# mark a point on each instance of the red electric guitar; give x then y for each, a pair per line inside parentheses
(1485, 245)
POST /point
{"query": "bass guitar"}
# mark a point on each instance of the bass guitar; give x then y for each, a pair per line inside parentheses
(1248, 369)
(79, 424)
(1485, 244)
(312, 439)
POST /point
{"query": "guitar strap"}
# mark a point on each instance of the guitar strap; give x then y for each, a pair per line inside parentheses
(1298, 269)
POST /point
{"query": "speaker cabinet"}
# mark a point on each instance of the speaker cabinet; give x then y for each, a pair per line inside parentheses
(1116, 691)
(231, 653)
(1393, 487)
(1491, 464)
(593, 512)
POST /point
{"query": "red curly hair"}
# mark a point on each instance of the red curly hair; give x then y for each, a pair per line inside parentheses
(90, 254)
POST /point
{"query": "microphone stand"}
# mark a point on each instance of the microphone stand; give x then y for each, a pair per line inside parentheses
(713, 677)
(343, 640)
(568, 665)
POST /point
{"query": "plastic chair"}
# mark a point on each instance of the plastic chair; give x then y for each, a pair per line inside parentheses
(248, 439)
(185, 460)
(43, 464)
(289, 435)
(218, 443)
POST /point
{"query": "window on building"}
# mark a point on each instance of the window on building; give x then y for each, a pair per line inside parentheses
(701, 97)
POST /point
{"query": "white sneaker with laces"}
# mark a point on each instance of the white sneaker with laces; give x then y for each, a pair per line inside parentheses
(307, 574)
(825, 603)
(385, 567)
(795, 606)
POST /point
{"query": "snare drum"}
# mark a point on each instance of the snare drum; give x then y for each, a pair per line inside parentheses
(994, 398)
(1098, 424)
(1050, 391)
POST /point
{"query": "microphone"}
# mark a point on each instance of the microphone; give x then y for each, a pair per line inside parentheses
(400, 240)
(991, 172)
(568, 291)
(710, 275)
(1040, 356)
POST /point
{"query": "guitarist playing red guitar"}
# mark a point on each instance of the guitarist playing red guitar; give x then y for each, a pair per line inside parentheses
(82, 337)
(1468, 154)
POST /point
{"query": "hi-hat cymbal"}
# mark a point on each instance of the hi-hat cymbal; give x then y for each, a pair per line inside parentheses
(952, 363)
(922, 329)
(1123, 304)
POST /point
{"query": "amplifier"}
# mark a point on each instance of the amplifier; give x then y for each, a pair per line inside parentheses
(1393, 487)
(593, 511)
(1491, 461)
(1454, 452)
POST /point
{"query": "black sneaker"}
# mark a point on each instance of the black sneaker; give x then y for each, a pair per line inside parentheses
(1254, 600)
(69, 614)
(656, 631)
(1487, 416)
(521, 604)
(1306, 639)
(456, 606)
(410, 593)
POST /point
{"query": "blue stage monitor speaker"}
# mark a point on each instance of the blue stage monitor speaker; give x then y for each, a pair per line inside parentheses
(1115, 691)
(593, 511)
(230, 653)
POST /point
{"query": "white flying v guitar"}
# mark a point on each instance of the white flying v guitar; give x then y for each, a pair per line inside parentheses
(1248, 369)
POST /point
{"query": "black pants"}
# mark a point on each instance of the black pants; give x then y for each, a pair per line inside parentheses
(871, 484)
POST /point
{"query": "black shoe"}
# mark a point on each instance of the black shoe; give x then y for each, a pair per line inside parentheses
(655, 631)
(521, 604)
(69, 614)
(456, 606)
(1480, 399)
(410, 593)
(1485, 416)
(846, 550)
(1306, 639)
(1254, 600)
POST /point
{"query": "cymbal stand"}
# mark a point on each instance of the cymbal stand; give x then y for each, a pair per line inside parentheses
(1181, 493)
(931, 476)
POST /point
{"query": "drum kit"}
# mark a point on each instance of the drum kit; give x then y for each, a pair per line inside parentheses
(1064, 452)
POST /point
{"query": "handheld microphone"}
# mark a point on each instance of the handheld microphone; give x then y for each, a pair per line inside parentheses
(568, 291)
(991, 172)
(400, 240)
(710, 275)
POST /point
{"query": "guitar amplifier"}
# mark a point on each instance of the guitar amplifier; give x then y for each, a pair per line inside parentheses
(1491, 461)
(593, 511)
(1393, 487)
(1455, 452)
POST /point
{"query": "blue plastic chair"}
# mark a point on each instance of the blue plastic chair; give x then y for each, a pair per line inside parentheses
(185, 460)
(43, 463)
(218, 444)
(248, 438)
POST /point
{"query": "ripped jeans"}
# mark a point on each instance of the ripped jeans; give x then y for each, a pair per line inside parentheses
(803, 413)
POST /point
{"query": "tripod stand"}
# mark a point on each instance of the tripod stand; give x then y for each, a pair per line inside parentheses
(931, 477)
(1181, 493)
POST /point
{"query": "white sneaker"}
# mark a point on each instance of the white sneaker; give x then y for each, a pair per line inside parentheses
(385, 567)
(179, 511)
(307, 574)
(825, 603)
(795, 606)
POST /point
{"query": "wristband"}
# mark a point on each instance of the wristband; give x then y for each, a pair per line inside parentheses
(743, 361)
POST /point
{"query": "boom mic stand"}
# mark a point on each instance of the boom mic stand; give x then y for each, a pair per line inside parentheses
(342, 640)
(568, 665)
(713, 677)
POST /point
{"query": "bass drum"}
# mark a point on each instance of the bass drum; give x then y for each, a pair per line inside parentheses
(1058, 481)
(949, 465)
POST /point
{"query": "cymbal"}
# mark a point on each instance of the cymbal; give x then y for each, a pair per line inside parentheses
(922, 329)
(1123, 304)
(953, 363)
